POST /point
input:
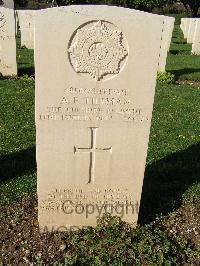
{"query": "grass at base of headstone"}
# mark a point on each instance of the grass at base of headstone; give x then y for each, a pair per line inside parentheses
(169, 241)
(172, 240)
(165, 78)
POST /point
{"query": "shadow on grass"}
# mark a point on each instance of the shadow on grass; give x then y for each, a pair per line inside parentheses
(26, 71)
(17, 164)
(25, 60)
(165, 182)
(184, 71)
(180, 42)
(180, 52)
(7, 77)
(30, 71)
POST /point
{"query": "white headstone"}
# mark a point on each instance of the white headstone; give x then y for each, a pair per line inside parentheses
(8, 64)
(26, 25)
(7, 4)
(186, 27)
(96, 69)
(183, 24)
(165, 42)
(191, 30)
(196, 40)
(171, 29)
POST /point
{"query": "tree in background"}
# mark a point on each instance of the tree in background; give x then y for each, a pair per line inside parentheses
(21, 3)
(31, 4)
(145, 5)
(148, 5)
(192, 5)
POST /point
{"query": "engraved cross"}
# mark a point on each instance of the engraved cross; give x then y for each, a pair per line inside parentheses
(92, 151)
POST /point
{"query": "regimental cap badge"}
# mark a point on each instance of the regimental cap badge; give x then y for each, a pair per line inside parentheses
(98, 49)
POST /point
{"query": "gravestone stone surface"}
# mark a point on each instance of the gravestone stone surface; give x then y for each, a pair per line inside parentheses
(196, 40)
(95, 86)
(165, 42)
(8, 64)
(7, 4)
(186, 27)
(191, 30)
(26, 25)
(182, 25)
(171, 22)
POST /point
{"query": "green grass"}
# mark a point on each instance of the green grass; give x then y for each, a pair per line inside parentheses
(173, 163)
(171, 178)
(116, 244)
(188, 68)
(25, 60)
(17, 138)
(17, 130)
(180, 61)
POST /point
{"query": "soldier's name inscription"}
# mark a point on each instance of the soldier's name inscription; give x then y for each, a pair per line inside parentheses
(87, 104)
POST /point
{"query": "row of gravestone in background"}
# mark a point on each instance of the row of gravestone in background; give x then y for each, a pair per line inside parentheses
(191, 31)
(95, 76)
(7, 3)
(24, 20)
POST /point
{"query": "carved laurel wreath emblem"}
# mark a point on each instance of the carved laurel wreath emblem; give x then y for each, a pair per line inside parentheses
(97, 50)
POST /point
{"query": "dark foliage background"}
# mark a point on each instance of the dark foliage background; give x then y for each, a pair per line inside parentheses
(192, 7)
(146, 5)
